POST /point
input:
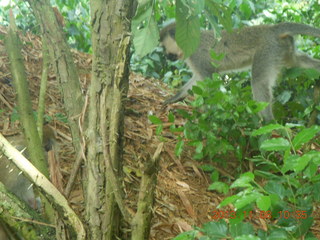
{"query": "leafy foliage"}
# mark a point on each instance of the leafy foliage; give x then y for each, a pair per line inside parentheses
(291, 183)
(289, 189)
(222, 119)
(144, 28)
(23, 18)
(77, 24)
(224, 124)
(75, 13)
(238, 231)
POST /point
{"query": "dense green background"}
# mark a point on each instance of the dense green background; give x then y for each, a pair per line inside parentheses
(223, 123)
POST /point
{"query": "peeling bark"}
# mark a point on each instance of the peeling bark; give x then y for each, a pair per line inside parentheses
(110, 70)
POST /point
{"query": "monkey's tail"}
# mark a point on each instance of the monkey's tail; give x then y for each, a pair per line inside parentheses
(290, 28)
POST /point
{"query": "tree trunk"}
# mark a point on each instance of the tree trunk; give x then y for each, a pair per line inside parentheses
(110, 70)
(63, 64)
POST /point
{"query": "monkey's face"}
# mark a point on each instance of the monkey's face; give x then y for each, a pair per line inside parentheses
(172, 50)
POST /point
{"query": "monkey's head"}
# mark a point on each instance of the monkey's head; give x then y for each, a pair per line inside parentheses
(168, 42)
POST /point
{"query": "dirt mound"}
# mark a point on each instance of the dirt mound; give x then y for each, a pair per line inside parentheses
(181, 198)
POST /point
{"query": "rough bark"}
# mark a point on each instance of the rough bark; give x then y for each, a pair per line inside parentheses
(66, 73)
(141, 222)
(110, 45)
(62, 61)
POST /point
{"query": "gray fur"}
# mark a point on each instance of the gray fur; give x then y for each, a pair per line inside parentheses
(266, 49)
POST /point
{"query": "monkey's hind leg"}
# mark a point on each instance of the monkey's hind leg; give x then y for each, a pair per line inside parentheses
(265, 70)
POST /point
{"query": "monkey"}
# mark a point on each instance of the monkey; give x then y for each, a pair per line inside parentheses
(11, 176)
(265, 49)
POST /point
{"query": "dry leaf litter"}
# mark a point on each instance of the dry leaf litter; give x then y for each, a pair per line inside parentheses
(182, 198)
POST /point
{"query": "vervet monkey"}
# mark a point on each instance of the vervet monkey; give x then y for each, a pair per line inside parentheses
(266, 49)
(11, 176)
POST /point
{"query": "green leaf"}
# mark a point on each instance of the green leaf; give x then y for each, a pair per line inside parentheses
(278, 234)
(316, 192)
(199, 147)
(145, 30)
(159, 130)
(197, 90)
(312, 73)
(256, 107)
(215, 176)
(244, 180)
(239, 229)
(179, 147)
(284, 97)
(219, 187)
(190, 235)
(276, 188)
(275, 144)
(220, 11)
(216, 56)
(154, 119)
(275, 199)
(207, 168)
(311, 170)
(266, 129)
(245, 9)
(187, 27)
(266, 174)
(305, 136)
(247, 237)
(216, 229)
(228, 200)
(304, 227)
(198, 156)
(175, 129)
(171, 117)
(246, 200)
(301, 162)
(194, 7)
(264, 203)
(315, 156)
(297, 163)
